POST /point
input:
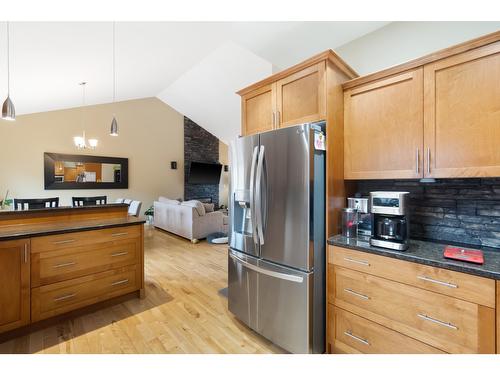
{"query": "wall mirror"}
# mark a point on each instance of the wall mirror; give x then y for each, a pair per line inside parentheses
(62, 171)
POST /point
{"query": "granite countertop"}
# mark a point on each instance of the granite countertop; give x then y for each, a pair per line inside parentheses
(17, 231)
(11, 212)
(428, 253)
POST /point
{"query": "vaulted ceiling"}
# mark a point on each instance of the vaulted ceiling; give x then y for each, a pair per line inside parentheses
(193, 66)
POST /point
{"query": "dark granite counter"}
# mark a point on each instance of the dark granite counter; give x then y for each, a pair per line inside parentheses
(60, 209)
(428, 253)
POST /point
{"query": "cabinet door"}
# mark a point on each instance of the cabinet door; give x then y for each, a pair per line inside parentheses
(301, 97)
(462, 114)
(258, 110)
(15, 284)
(383, 128)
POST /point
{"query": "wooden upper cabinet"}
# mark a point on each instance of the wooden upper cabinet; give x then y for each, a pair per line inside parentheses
(383, 128)
(15, 284)
(462, 114)
(258, 110)
(301, 96)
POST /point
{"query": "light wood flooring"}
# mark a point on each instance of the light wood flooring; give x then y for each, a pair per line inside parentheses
(182, 312)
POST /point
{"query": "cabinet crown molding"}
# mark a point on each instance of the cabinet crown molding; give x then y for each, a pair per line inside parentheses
(326, 55)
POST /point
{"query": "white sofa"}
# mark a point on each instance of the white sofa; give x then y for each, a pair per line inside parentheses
(187, 219)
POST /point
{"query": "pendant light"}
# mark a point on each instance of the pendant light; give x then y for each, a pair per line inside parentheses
(114, 124)
(81, 141)
(8, 109)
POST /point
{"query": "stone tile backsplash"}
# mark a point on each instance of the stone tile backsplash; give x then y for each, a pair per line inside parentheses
(457, 210)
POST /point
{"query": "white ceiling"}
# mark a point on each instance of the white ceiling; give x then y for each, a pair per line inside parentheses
(48, 59)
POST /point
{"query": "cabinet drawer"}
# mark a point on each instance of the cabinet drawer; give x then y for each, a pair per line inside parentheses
(67, 240)
(58, 265)
(447, 323)
(471, 288)
(353, 334)
(58, 298)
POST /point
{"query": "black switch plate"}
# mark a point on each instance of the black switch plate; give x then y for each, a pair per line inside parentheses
(173, 165)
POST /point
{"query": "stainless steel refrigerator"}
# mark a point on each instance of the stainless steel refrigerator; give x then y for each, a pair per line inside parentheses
(276, 261)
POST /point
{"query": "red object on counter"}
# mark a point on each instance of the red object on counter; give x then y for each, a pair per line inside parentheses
(465, 255)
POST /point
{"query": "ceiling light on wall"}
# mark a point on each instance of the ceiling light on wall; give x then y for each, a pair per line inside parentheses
(80, 141)
(114, 123)
(8, 109)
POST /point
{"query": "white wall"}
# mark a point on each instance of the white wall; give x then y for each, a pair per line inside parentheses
(151, 135)
(399, 42)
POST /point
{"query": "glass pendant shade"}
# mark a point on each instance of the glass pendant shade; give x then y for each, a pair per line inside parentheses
(114, 127)
(8, 110)
(93, 143)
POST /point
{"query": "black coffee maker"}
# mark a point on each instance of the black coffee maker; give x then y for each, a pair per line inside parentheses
(390, 219)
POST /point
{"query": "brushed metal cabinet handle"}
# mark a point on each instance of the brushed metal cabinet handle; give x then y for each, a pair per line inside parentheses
(25, 253)
(119, 254)
(428, 160)
(119, 234)
(61, 265)
(274, 119)
(65, 297)
(362, 262)
(437, 321)
(444, 283)
(350, 334)
(63, 242)
(417, 164)
(362, 296)
(124, 281)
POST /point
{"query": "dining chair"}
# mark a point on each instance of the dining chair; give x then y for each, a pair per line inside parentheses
(31, 204)
(89, 201)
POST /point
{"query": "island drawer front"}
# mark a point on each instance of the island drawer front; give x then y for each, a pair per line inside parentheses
(353, 334)
(68, 240)
(447, 323)
(471, 288)
(53, 266)
(58, 298)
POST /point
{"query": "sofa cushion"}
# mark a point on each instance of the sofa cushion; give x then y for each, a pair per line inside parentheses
(170, 201)
(209, 207)
(200, 208)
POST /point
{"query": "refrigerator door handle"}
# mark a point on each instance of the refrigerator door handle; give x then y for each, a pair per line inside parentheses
(252, 194)
(278, 275)
(258, 195)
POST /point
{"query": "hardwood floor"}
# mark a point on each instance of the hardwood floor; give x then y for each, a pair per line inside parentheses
(182, 312)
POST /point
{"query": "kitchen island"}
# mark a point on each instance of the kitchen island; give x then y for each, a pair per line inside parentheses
(60, 260)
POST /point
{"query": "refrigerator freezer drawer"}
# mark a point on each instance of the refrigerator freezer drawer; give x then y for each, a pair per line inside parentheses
(275, 301)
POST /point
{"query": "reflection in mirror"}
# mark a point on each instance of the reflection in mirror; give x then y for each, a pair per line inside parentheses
(70, 171)
(84, 172)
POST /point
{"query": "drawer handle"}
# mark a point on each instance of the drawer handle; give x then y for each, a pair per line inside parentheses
(119, 234)
(119, 254)
(362, 262)
(437, 321)
(63, 242)
(449, 285)
(61, 265)
(356, 294)
(65, 297)
(349, 334)
(124, 281)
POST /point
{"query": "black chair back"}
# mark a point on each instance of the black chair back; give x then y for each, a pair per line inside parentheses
(89, 201)
(31, 204)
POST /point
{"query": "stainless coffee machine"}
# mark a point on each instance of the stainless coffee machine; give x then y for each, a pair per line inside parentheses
(390, 219)
(364, 216)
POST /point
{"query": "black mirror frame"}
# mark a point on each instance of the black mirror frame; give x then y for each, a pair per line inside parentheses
(50, 158)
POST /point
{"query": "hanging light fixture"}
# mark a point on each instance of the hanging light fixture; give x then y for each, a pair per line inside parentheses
(81, 141)
(8, 109)
(114, 123)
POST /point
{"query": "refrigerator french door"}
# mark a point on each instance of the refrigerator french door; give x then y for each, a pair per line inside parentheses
(276, 265)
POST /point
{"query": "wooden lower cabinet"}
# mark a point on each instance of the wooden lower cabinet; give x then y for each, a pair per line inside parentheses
(54, 299)
(368, 299)
(354, 334)
(14, 284)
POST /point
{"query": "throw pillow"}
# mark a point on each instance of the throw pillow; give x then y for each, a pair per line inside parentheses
(209, 207)
(196, 204)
